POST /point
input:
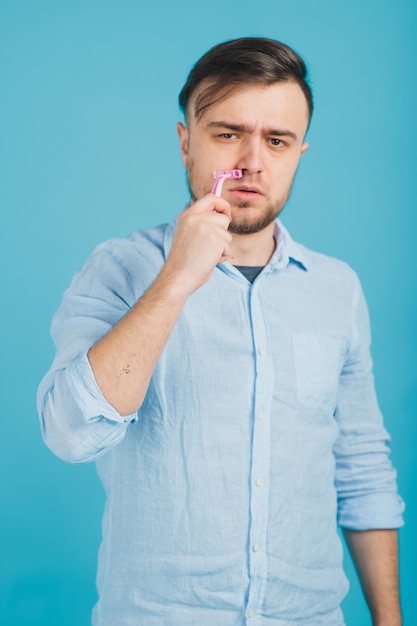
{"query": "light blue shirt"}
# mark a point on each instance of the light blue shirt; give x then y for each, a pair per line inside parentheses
(259, 433)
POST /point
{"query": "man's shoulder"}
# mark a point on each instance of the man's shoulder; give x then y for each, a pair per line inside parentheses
(147, 243)
(327, 270)
(154, 235)
(315, 262)
(320, 260)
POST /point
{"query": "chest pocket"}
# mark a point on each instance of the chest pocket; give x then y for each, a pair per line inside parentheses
(318, 361)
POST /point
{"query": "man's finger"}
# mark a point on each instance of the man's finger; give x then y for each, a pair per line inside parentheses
(211, 203)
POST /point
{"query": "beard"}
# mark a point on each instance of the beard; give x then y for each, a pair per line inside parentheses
(241, 224)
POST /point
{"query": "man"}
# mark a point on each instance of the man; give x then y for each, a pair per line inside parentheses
(220, 375)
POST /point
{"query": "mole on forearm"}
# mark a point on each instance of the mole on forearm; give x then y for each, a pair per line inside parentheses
(125, 370)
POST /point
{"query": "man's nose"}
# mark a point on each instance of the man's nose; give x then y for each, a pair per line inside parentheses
(250, 156)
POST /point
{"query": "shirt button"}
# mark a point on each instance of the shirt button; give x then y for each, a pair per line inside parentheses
(256, 547)
(261, 351)
(250, 613)
(259, 482)
(260, 415)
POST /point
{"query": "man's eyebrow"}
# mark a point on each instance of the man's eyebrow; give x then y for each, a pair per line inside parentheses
(283, 132)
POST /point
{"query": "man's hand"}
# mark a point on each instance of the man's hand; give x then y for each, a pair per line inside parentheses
(201, 240)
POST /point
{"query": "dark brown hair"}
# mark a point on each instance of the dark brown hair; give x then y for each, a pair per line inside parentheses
(244, 61)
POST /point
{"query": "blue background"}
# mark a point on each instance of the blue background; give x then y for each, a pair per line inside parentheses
(88, 151)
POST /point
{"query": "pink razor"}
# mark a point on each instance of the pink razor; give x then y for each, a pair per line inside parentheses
(221, 176)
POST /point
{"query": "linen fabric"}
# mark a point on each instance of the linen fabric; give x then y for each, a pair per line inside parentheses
(259, 434)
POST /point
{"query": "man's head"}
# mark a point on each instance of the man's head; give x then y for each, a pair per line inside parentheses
(247, 106)
(249, 61)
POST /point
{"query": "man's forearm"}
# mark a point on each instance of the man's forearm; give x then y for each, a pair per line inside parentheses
(375, 555)
(123, 360)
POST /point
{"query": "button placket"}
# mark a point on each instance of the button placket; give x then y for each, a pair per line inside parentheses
(260, 452)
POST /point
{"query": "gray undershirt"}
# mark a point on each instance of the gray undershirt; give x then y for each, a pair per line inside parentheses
(250, 272)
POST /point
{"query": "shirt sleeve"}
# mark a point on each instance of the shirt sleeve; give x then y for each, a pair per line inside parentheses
(77, 422)
(365, 479)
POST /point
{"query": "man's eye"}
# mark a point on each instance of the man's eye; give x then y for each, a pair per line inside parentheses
(227, 135)
(276, 142)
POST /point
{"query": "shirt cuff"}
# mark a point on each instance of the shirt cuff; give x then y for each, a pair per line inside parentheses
(94, 404)
(371, 512)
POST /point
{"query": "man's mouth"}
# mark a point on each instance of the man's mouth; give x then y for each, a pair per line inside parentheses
(246, 192)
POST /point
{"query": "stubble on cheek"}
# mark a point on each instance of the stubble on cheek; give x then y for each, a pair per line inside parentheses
(196, 187)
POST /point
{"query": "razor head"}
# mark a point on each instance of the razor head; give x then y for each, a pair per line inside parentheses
(221, 176)
(227, 173)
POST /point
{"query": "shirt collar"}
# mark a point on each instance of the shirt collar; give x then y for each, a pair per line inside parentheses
(286, 249)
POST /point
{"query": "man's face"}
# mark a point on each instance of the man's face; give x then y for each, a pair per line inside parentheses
(260, 130)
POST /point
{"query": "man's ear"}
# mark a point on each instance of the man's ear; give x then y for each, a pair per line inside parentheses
(304, 148)
(183, 135)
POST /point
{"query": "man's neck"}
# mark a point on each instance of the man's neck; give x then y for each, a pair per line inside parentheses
(255, 249)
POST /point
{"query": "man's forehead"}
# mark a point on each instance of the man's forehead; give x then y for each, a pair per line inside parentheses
(208, 109)
(208, 94)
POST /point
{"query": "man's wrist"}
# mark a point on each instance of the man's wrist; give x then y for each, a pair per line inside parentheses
(389, 620)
